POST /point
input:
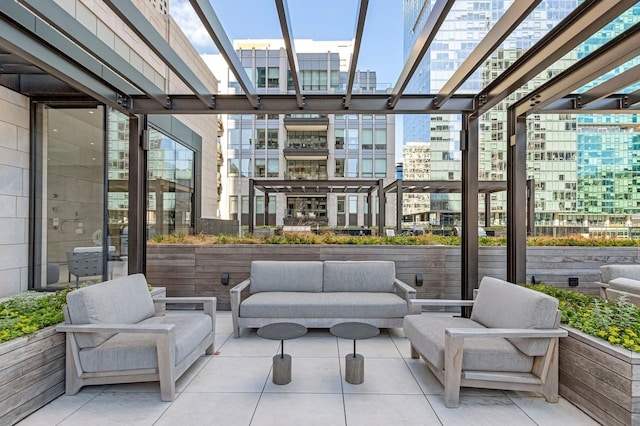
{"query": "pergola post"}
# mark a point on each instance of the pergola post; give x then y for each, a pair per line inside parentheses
(252, 200)
(531, 207)
(368, 219)
(516, 197)
(266, 209)
(381, 204)
(487, 209)
(399, 206)
(137, 197)
(469, 145)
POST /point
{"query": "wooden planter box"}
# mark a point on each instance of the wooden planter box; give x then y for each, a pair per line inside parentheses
(601, 379)
(31, 373)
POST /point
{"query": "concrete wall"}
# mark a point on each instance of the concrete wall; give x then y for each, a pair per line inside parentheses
(14, 192)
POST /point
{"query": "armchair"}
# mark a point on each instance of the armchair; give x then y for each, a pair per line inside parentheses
(510, 341)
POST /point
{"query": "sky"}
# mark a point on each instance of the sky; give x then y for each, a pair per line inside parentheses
(381, 49)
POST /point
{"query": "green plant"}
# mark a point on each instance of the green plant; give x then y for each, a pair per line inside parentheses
(29, 312)
(616, 322)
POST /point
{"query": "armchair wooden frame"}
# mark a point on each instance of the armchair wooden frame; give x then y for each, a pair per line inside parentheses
(167, 371)
(543, 377)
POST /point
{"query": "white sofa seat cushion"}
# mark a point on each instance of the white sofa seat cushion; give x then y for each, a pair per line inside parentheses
(504, 305)
(370, 276)
(426, 333)
(323, 305)
(625, 284)
(611, 272)
(126, 351)
(124, 300)
(270, 275)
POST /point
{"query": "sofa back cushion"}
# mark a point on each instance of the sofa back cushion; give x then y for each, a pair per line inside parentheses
(274, 275)
(500, 304)
(363, 276)
(124, 300)
(611, 272)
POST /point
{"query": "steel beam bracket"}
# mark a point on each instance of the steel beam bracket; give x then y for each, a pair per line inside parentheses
(124, 100)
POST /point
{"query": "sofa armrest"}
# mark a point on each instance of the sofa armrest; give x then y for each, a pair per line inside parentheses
(505, 332)
(236, 299)
(408, 293)
(116, 328)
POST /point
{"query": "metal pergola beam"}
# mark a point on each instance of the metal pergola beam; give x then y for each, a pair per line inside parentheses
(357, 41)
(313, 103)
(139, 24)
(62, 21)
(616, 52)
(609, 87)
(429, 30)
(292, 58)
(585, 20)
(502, 29)
(212, 24)
(24, 39)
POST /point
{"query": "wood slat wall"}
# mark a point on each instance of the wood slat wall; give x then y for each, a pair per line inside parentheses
(31, 373)
(602, 380)
(189, 270)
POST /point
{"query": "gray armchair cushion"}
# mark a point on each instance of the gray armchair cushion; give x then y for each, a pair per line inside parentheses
(426, 333)
(364, 276)
(269, 275)
(625, 284)
(500, 304)
(611, 272)
(130, 351)
(323, 305)
(124, 300)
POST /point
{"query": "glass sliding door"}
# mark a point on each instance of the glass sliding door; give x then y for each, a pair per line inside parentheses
(170, 173)
(71, 236)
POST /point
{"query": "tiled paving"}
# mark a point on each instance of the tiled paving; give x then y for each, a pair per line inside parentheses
(235, 388)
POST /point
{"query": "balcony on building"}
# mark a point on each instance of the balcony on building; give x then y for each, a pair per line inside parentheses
(306, 137)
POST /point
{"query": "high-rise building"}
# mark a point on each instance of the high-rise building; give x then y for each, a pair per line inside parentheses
(466, 24)
(303, 146)
(416, 165)
(584, 166)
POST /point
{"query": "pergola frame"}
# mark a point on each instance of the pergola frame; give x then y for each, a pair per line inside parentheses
(47, 55)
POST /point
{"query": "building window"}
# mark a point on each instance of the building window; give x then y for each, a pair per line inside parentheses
(341, 204)
(245, 167)
(352, 167)
(339, 167)
(260, 169)
(381, 167)
(380, 138)
(339, 138)
(272, 138)
(367, 167)
(367, 139)
(273, 167)
(233, 170)
(268, 77)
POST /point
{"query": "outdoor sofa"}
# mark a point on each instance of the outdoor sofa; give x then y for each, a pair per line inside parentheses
(620, 280)
(114, 335)
(509, 342)
(320, 294)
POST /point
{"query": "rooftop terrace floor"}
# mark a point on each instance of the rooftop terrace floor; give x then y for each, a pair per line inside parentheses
(235, 388)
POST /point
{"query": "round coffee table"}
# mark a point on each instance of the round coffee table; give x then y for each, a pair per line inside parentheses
(282, 331)
(354, 363)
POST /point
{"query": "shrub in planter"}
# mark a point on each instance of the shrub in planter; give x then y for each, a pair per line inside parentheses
(616, 322)
(29, 312)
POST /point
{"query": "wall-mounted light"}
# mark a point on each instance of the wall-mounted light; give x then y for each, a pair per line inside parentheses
(419, 280)
(224, 278)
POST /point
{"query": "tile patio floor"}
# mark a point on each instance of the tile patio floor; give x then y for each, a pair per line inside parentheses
(235, 388)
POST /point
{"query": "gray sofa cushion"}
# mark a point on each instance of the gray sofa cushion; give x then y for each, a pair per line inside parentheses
(124, 300)
(130, 351)
(323, 305)
(625, 284)
(611, 272)
(366, 276)
(426, 333)
(500, 304)
(268, 275)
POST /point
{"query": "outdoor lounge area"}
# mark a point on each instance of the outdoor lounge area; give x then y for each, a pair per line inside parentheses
(235, 388)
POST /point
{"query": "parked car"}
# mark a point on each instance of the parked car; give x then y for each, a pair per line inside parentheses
(457, 231)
